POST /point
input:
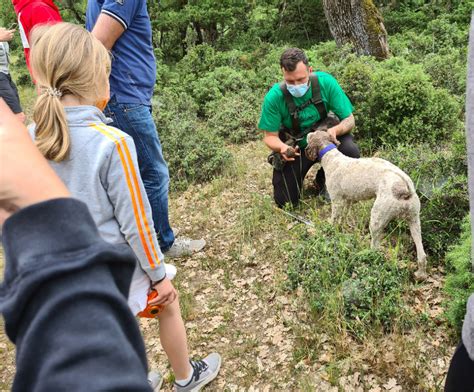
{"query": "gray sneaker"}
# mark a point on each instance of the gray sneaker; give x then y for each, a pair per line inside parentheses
(204, 371)
(184, 247)
(155, 380)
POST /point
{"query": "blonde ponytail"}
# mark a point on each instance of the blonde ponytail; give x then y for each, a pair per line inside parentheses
(66, 59)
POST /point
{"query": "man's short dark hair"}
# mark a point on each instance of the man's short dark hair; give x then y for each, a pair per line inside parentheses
(291, 57)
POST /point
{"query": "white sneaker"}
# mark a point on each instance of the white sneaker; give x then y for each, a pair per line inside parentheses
(184, 247)
(204, 371)
(155, 380)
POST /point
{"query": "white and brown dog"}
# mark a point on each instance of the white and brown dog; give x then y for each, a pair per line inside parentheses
(349, 180)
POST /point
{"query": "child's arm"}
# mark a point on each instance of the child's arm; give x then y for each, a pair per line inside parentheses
(131, 207)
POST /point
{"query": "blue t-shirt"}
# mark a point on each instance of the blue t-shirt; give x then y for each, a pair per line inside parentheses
(133, 64)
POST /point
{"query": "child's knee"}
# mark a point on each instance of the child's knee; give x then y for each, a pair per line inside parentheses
(171, 310)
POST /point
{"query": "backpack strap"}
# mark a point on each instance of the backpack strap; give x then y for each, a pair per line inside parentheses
(316, 100)
(295, 123)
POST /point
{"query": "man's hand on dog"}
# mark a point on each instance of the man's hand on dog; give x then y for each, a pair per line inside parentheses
(289, 153)
(333, 134)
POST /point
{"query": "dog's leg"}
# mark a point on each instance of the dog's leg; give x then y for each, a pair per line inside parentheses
(380, 216)
(415, 230)
(337, 210)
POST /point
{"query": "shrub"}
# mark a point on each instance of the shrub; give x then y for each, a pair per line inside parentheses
(395, 102)
(215, 84)
(459, 283)
(447, 70)
(344, 281)
(193, 153)
(235, 117)
(441, 215)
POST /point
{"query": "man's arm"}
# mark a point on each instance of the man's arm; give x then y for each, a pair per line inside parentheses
(345, 126)
(107, 30)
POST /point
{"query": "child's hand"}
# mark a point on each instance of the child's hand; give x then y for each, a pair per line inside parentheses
(166, 293)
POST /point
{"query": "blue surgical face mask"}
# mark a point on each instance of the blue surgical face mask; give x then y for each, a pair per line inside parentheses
(297, 90)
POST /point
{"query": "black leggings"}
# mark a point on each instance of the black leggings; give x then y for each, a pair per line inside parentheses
(288, 183)
(461, 372)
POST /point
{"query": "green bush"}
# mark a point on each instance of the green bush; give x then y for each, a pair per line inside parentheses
(396, 102)
(194, 153)
(235, 117)
(221, 81)
(448, 70)
(345, 281)
(459, 283)
(441, 216)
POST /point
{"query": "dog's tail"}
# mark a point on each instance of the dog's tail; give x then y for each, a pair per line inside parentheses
(401, 190)
(404, 189)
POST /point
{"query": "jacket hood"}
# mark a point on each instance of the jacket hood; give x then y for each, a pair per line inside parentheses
(20, 4)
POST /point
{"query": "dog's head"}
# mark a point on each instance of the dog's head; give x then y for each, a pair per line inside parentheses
(317, 140)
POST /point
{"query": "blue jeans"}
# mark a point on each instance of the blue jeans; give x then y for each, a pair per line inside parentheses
(137, 121)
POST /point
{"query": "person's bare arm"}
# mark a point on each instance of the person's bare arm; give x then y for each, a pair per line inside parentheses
(107, 30)
(342, 128)
(20, 186)
(6, 35)
(274, 143)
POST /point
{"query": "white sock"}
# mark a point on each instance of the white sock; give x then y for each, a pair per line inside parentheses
(186, 380)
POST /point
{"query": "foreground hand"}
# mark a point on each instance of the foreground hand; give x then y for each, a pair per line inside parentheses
(289, 153)
(333, 135)
(166, 293)
(6, 35)
(25, 176)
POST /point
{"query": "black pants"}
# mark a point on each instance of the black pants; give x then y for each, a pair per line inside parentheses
(9, 93)
(461, 372)
(288, 183)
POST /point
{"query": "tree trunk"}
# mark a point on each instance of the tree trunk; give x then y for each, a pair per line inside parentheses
(470, 129)
(359, 23)
(197, 28)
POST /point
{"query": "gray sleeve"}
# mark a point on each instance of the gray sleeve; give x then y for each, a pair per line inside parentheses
(468, 328)
(470, 128)
(132, 209)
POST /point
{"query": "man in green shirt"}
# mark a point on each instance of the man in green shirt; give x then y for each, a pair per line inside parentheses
(296, 106)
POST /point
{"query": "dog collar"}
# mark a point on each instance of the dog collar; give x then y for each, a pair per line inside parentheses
(325, 150)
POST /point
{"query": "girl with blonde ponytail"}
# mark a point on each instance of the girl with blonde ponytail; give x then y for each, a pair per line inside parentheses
(70, 68)
(98, 164)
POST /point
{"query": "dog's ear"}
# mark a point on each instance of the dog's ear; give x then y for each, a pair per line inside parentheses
(311, 149)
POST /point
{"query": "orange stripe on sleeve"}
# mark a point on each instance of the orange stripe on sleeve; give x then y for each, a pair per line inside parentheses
(132, 193)
(137, 187)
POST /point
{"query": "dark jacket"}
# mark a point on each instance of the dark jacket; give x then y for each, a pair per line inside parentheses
(64, 303)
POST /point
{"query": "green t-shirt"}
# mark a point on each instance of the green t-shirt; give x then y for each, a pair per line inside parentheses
(275, 111)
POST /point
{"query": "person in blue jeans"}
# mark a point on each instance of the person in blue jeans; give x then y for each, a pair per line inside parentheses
(124, 28)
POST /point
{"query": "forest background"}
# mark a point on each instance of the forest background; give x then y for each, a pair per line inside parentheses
(350, 317)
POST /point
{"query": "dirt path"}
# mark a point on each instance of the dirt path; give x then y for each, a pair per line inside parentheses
(233, 299)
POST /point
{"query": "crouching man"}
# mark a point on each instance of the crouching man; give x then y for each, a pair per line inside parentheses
(291, 109)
